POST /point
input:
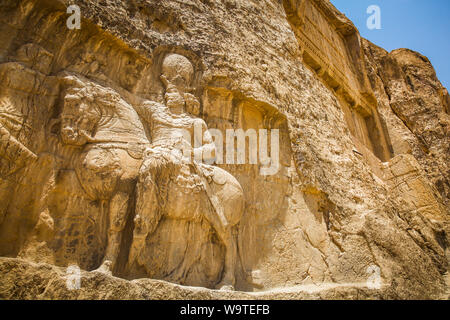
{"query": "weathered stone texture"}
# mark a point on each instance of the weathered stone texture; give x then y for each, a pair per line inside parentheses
(87, 175)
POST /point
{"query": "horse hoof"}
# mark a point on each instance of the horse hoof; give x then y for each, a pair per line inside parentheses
(226, 287)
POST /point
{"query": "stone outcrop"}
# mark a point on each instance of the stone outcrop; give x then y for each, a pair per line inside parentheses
(93, 169)
(409, 91)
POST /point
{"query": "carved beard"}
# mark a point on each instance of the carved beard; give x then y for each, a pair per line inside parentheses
(174, 101)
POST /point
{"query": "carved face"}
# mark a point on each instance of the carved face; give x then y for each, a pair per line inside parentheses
(78, 120)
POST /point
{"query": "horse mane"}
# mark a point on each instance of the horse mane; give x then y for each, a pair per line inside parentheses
(103, 100)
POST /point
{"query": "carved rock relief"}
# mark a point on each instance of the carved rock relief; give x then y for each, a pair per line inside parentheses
(94, 181)
(88, 176)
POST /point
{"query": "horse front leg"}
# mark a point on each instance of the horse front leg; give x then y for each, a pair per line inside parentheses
(118, 210)
(148, 215)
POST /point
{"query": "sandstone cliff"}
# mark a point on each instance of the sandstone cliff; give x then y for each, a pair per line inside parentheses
(363, 183)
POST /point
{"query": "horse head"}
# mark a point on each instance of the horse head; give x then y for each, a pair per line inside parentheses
(78, 120)
(85, 106)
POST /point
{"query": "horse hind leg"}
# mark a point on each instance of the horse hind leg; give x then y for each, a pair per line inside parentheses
(232, 198)
(228, 278)
(117, 219)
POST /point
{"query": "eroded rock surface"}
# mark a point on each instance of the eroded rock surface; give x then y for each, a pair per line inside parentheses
(93, 166)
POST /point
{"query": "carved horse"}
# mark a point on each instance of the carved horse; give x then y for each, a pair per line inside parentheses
(111, 139)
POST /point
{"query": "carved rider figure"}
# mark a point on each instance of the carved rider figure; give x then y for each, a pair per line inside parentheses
(170, 183)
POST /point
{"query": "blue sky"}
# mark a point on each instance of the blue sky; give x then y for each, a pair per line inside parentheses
(420, 25)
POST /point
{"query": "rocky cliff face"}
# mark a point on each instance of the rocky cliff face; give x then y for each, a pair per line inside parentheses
(357, 208)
